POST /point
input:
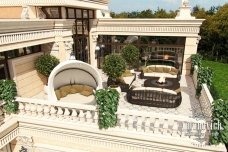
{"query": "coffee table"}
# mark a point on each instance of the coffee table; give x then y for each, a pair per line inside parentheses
(170, 83)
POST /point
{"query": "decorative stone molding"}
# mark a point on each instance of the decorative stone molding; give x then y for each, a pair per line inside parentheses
(69, 48)
(94, 37)
(150, 27)
(94, 4)
(25, 12)
(26, 143)
(184, 11)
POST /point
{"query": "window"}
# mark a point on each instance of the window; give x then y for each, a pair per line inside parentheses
(70, 13)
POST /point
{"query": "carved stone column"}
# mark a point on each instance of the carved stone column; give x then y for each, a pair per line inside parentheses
(55, 49)
(191, 45)
(69, 49)
(25, 12)
(93, 43)
(25, 143)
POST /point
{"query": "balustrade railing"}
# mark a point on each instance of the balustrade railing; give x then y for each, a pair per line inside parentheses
(136, 121)
(205, 97)
(1, 113)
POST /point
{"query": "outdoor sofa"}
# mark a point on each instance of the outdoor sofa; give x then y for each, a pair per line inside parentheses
(154, 97)
(160, 71)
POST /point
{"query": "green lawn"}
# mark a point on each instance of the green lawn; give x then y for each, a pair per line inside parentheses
(220, 79)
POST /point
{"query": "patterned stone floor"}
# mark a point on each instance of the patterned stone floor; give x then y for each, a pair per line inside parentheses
(189, 107)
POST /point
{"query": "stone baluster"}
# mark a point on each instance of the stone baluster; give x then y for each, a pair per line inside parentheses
(53, 112)
(175, 131)
(67, 114)
(81, 116)
(33, 108)
(95, 118)
(27, 109)
(40, 111)
(122, 121)
(185, 130)
(165, 127)
(60, 113)
(156, 126)
(147, 124)
(47, 111)
(139, 123)
(21, 108)
(74, 115)
(130, 122)
(89, 116)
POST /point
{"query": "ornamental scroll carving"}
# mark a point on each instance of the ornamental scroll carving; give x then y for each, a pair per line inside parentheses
(26, 143)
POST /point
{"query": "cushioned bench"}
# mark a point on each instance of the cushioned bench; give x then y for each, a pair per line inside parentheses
(154, 97)
(160, 70)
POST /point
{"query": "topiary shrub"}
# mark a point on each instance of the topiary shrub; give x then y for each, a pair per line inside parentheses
(46, 63)
(107, 104)
(131, 54)
(114, 66)
(8, 93)
(220, 121)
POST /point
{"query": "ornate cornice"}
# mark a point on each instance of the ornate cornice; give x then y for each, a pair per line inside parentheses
(95, 4)
(160, 27)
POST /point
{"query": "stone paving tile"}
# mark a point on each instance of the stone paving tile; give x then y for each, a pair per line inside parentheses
(189, 107)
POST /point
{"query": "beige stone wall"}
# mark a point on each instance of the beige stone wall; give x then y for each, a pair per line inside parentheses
(10, 12)
(29, 81)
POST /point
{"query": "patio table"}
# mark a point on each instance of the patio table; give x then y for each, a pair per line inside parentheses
(170, 83)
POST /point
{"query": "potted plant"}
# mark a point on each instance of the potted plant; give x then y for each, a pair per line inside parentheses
(45, 64)
(107, 104)
(131, 55)
(114, 66)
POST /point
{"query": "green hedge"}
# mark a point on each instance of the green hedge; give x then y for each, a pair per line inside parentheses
(8, 93)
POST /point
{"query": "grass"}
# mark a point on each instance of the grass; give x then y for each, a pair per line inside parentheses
(220, 80)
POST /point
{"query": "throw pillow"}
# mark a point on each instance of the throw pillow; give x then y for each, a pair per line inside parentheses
(78, 87)
(73, 90)
(174, 70)
(86, 93)
(159, 69)
(88, 88)
(64, 93)
(145, 70)
(152, 69)
(58, 94)
(178, 90)
(166, 70)
(65, 88)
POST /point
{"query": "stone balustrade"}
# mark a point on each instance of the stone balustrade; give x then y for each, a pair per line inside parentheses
(1, 113)
(162, 124)
(58, 111)
(134, 121)
(205, 97)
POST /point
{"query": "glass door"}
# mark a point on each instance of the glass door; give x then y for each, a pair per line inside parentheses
(3, 67)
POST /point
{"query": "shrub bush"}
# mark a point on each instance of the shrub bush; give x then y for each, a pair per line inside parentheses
(131, 54)
(46, 63)
(205, 75)
(220, 117)
(107, 101)
(8, 93)
(114, 66)
(196, 59)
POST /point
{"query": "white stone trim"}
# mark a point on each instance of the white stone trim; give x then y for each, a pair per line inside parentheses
(95, 4)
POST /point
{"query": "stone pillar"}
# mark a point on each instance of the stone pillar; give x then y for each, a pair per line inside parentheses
(93, 44)
(191, 46)
(62, 49)
(24, 143)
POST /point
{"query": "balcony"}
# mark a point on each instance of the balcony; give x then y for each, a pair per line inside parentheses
(23, 33)
(179, 126)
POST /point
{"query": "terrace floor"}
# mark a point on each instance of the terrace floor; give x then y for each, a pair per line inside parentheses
(189, 107)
